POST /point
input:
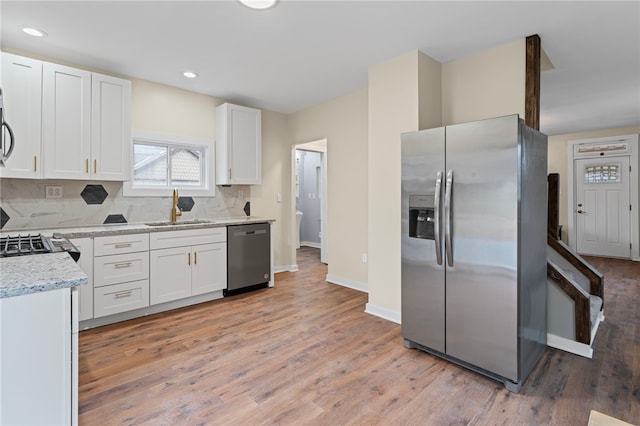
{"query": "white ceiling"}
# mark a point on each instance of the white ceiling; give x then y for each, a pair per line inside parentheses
(302, 53)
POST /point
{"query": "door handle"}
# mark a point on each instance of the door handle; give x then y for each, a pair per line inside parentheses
(447, 217)
(581, 212)
(436, 217)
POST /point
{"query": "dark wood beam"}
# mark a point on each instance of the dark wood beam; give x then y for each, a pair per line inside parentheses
(532, 82)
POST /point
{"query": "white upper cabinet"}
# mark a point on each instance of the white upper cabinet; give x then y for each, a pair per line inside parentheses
(66, 131)
(238, 145)
(110, 127)
(22, 95)
(87, 125)
(68, 123)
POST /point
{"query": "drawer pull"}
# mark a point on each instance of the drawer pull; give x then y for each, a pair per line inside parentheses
(125, 293)
(122, 264)
(122, 245)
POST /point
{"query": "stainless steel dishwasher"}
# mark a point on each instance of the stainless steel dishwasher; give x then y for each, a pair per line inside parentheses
(248, 257)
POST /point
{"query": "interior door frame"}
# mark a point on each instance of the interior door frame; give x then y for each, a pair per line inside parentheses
(320, 146)
(634, 226)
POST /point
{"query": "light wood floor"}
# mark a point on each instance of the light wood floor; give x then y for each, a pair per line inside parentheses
(304, 352)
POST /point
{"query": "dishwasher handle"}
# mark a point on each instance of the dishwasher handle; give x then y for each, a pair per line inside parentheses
(252, 232)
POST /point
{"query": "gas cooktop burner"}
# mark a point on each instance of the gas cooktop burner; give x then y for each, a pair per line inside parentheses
(21, 245)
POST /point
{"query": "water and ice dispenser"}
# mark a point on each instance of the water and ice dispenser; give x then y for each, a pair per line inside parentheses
(421, 217)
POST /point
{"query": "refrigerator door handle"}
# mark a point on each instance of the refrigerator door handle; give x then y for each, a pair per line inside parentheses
(447, 217)
(436, 218)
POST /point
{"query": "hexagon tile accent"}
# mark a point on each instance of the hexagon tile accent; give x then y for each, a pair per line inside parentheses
(185, 203)
(94, 194)
(4, 218)
(114, 218)
(247, 208)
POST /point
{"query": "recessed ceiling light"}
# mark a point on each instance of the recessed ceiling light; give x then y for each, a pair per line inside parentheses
(34, 32)
(259, 4)
(190, 74)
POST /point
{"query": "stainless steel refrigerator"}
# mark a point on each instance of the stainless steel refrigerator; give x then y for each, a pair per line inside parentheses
(474, 226)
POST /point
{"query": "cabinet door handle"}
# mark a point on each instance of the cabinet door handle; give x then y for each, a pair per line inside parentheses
(195, 258)
(189, 259)
(125, 293)
(122, 264)
(122, 245)
(86, 165)
(35, 163)
(95, 166)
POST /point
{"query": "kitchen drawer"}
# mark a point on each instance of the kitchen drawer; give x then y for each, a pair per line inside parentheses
(188, 237)
(120, 268)
(113, 299)
(116, 244)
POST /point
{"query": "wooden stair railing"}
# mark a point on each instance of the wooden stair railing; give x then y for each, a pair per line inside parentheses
(596, 280)
(580, 299)
(576, 293)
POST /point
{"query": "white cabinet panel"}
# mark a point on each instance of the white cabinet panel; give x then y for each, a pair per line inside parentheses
(110, 127)
(85, 292)
(187, 237)
(116, 298)
(238, 145)
(36, 359)
(22, 96)
(170, 274)
(209, 270)
(120, 268)
(66, 130)
(118, 244)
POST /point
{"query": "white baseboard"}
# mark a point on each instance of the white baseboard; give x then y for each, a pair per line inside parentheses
(310, 244)
(345, 282)
(569, 345)
(285, 268)
(573, 346)
(383, 313)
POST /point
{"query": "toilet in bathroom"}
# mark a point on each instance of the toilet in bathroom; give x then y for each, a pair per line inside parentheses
(298, 222)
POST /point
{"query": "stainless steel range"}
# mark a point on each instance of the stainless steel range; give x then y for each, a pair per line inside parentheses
(23, 245)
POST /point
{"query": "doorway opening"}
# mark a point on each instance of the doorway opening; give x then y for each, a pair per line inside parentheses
(309, 190)
(602, 197)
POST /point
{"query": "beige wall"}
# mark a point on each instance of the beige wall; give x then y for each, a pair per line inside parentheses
(164, 109)
(405, 94)
(487, 84)
(276, 172)
(394, 108)
(343, 122)
(430, 92)
(557, 161)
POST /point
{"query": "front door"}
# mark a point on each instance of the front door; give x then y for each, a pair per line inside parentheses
(602, 206)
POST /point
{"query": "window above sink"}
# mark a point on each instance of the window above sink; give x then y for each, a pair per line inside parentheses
(160, 163)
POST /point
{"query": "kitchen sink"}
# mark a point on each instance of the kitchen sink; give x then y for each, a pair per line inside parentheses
(184, 222)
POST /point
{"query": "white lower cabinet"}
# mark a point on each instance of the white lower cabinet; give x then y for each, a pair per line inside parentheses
(85, 292)
(36, 359)
(187, 263)
(116, 298)
(121, 274)
(209, 269)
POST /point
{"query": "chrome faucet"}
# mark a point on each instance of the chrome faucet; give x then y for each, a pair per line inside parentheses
(175, 210)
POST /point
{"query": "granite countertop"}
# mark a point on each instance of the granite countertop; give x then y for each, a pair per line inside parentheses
(22, 275)
(134, 228)
(31, 274)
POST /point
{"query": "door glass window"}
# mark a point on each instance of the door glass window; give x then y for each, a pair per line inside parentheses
(602, 173)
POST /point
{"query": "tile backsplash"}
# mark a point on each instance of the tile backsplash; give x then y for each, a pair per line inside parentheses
(85, 203)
